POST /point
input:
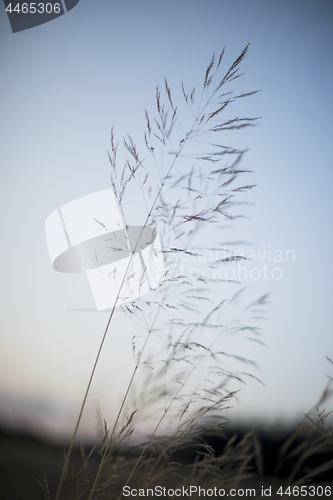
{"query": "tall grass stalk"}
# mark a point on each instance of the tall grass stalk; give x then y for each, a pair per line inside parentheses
(181, 221)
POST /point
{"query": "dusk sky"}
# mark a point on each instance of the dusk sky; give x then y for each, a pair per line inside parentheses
(63, 86)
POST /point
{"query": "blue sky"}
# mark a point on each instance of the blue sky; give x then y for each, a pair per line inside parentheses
(63, 86)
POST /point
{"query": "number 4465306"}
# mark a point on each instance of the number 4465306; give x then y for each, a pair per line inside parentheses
(32, 8)
(303, 491)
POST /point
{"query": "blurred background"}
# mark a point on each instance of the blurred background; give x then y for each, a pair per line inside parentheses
(64, 85)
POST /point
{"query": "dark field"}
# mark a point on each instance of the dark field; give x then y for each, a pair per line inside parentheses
(25, 459)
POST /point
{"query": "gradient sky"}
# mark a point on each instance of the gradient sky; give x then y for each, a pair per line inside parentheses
(63, 86)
